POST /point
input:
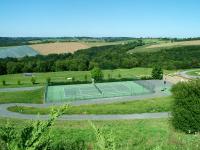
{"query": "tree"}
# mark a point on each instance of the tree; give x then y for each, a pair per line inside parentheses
(33, 80)
(86, 77)
(13, 67)
(97, 74)
(48, 80)
(186, 106)
(3, 82)
(157, 73)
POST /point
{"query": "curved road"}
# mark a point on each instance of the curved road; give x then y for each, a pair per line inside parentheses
(185, 75)
(5, 113)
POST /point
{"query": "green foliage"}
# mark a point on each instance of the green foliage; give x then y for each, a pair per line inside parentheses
(186, 107)
(119, 75)
(33, 81)
(48, 80)
(157, 73)
(103, 141)
(97, 74)
(3, 82)
(85, 77)
(33, 136)
(18, 82)
(73, 79)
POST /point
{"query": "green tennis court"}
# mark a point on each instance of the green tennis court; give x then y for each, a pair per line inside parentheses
(94, 91)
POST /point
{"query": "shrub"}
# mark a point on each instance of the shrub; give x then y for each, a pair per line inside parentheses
(19, 82)
(33, 80)
(86, 77)
(73, 79)
(157, 73)
(186, 106)
(3, 82)
(97, 74)
(48, 80)
(119, 75)
(109, 76)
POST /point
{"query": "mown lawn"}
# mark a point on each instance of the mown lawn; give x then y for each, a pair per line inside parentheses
(162, 104)
(149, 134)
(195, 72)
(34, 96)
(12, 79)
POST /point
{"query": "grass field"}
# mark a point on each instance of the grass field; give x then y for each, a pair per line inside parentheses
(146, 134)
(162, 104)
(149, 47)
(195, 72)
(17, 51)
(35, 96)
(11, 80)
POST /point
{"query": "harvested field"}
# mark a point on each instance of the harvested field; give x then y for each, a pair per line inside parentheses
(184, 43)
(59, 47)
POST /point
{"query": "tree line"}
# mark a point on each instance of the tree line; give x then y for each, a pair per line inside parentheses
(105, 57)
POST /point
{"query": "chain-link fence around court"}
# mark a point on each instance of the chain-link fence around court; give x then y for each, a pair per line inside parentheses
(101, 90)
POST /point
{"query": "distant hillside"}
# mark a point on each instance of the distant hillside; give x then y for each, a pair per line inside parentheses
(167, 45)
(17, 51)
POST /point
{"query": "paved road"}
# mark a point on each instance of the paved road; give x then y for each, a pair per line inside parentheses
(5, 113)
(158, 93)
(185, 75)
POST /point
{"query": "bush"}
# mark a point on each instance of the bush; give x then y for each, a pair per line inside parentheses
(86, 77)
(157, 73)
(119, 75)
(3, 82)
(97, 74)
(73, 79)
(33, 80)
(48, 80)
(186, 106)
(18, 82)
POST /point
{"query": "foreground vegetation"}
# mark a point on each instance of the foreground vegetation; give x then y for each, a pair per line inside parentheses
(34, 96)
(126, 134)
(162, 104)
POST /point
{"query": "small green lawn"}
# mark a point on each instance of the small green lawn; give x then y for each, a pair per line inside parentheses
(162, 104)
(12, 79)
(35, 96)
(149, 134)
(195, 72)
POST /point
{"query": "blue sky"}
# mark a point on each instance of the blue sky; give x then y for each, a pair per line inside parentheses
(133, 18)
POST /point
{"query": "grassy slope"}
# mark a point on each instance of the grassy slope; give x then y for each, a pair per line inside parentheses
(127, 134)
(148, 105)
(35, 96)
(11, 80)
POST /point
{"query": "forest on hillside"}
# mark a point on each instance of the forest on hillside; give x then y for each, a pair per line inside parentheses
(105, 57)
